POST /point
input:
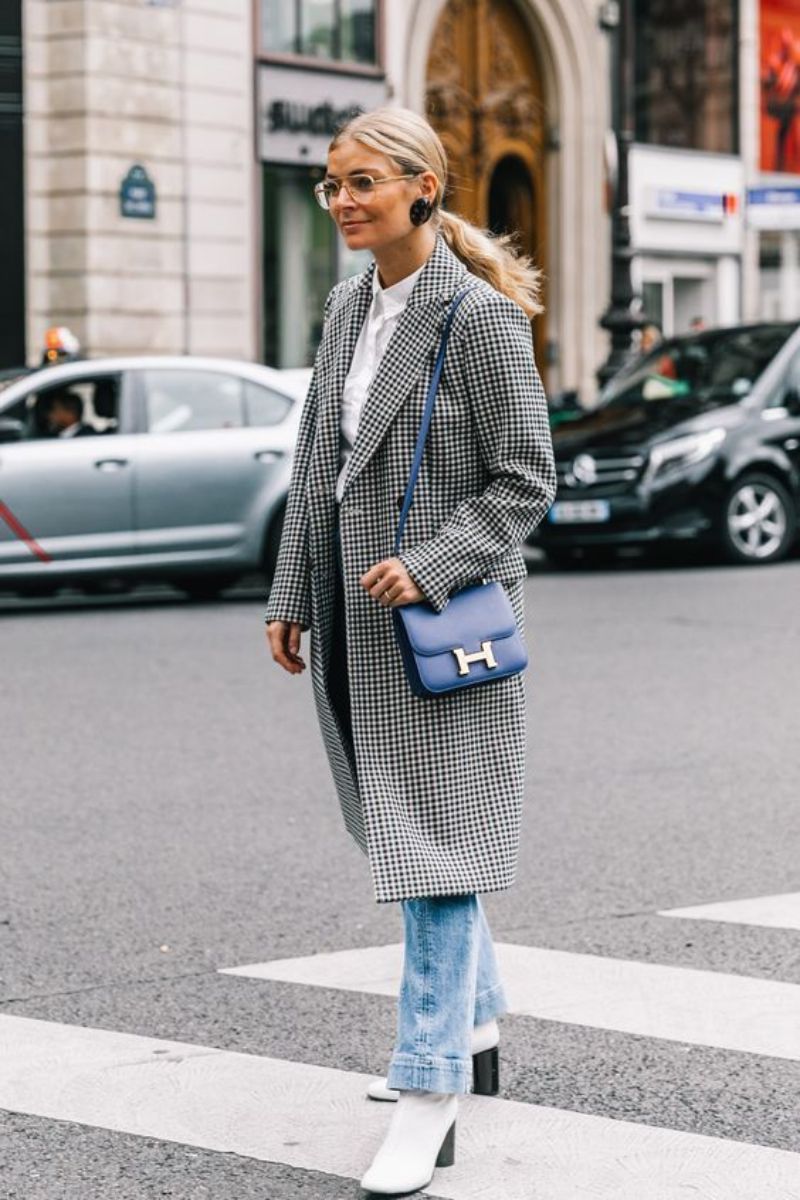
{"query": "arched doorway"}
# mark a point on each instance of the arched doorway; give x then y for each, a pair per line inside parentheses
(484, 96)
(512, 203)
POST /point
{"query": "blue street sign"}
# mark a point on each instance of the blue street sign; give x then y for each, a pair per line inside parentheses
(137, 195)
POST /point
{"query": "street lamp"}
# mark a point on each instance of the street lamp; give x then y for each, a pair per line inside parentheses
(616, 17)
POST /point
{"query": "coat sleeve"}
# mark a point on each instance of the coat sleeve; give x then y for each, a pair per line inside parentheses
(509, 407)
(290, 592)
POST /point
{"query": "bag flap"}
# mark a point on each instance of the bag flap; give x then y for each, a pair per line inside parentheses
(472, 615)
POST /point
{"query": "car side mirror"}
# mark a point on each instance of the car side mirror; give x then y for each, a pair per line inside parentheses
(11, 430)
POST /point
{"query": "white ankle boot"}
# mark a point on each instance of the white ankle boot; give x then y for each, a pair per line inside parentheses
(484, 1038)
(421, 1137)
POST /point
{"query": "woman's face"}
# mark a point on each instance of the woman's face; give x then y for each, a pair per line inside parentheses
(383, 217)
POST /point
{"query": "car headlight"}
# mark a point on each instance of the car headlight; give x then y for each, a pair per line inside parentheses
(675, 455)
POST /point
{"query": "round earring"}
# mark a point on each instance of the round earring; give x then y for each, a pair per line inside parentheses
(420, 211)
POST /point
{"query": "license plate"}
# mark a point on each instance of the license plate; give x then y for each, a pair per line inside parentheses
(575, 511)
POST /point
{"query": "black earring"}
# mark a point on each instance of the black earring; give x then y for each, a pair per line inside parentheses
(420, 211)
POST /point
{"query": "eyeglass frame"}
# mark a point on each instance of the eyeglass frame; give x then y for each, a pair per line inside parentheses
(319, 187)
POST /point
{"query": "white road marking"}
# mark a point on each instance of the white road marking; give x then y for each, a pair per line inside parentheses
(776, 912)
(682, 1004)
(318, 1119)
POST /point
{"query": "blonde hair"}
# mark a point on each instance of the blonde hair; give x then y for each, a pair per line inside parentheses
(411, 142)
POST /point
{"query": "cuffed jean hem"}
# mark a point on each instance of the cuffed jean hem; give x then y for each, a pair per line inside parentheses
(490, 1004)
(414, 1072)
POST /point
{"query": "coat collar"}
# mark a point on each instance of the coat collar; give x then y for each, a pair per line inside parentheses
(415, 336)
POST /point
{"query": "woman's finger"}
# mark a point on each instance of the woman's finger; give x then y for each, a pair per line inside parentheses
(278, 636)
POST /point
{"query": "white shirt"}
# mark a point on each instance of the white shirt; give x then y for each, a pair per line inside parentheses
(70, 430)
(379, 324)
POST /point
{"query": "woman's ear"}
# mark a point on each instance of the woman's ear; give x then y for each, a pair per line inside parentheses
(429, 184)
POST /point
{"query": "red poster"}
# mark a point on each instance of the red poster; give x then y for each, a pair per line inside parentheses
(780, 85)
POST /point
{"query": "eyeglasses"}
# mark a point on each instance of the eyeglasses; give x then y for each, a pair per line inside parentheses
(361, 188)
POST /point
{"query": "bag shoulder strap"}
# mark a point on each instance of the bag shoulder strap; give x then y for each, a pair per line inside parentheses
(430, 400)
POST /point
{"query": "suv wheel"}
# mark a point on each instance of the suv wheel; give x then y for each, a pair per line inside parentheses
(759, 520)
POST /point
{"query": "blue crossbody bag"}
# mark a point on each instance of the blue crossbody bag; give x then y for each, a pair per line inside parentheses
(475, 638)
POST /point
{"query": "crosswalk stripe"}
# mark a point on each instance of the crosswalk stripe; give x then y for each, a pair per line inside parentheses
(317, 1118)
(683, 1004)
(776, 912)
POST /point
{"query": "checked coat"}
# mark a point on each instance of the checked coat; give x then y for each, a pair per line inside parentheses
(430, 789)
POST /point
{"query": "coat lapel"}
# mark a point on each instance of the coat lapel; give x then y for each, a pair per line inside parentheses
(414, 339)
(342, 330)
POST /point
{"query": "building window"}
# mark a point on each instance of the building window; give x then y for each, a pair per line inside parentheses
(299, 265)
(331, 30)
(686, 74)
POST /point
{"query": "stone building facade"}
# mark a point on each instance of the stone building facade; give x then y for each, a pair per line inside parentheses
(181, 88)
(114, 84)
(171, 147)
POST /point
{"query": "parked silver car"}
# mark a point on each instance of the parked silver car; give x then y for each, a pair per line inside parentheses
(177, 469)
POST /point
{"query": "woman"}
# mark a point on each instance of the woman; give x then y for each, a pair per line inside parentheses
(431, 789)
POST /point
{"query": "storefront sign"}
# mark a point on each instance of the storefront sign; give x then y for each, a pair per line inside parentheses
(779, 85)
(773, 207)
(690, 206)
(300, 110)
(137, 194)
(685, 201)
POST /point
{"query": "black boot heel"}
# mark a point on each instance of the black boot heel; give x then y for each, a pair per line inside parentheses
(447, 1152)
(486, 1072)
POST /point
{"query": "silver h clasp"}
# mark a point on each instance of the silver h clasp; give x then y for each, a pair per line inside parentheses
(482, 655)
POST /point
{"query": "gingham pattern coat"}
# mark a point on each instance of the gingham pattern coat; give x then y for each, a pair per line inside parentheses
(433, 793)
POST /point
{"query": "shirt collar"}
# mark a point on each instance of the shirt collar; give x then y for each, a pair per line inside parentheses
(390, 299)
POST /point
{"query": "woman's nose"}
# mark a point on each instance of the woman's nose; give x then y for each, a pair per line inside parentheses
(344, 202)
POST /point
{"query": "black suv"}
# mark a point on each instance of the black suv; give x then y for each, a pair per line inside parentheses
(698, 440)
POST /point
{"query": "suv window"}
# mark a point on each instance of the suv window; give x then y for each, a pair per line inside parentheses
(789, 383)
(178, 400)
(713, 368)
(83, 405)
(264, 407)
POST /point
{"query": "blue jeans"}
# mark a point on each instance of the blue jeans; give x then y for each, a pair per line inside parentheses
(450, 983)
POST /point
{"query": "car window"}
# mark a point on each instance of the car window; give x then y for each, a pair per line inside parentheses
(714, 368)
(180, 400)
(264, 407)
(83, 406)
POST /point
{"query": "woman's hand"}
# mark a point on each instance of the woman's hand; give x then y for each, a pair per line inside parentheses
(390, 583)
(284, 642)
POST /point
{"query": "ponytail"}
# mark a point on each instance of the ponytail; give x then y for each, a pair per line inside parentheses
(495, 259)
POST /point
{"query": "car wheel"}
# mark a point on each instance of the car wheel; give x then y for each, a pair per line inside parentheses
(758, 520)
(272, 543)
(204, 587)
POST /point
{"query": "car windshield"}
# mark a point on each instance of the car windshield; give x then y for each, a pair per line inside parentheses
(708, 369)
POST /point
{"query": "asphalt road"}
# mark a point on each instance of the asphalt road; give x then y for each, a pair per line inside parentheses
(167, 812)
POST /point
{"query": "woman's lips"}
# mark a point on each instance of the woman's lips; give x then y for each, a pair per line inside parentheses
(352, 224)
